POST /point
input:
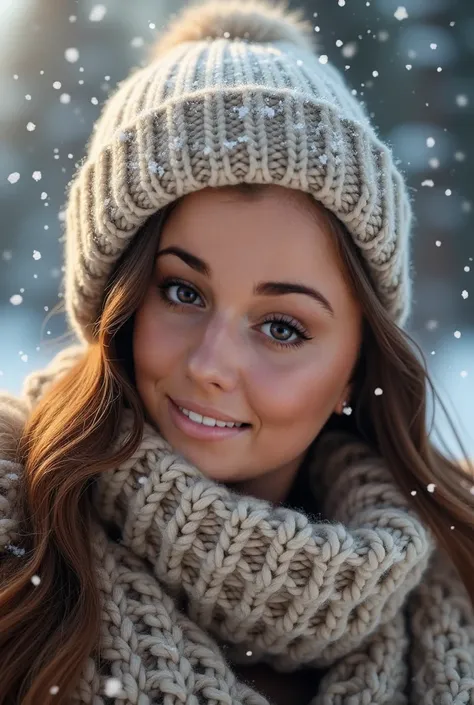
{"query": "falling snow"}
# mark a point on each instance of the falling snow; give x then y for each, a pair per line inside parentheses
(349, 50)
(97, 13)
(14, 177)
(431, 487)
(401, 13)
(462, 101)
(113, 687)
(72, 55)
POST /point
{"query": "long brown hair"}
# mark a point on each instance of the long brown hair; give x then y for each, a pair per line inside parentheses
(47, 633)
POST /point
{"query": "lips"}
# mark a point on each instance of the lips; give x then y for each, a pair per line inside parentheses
(200, 431)
(206, 411)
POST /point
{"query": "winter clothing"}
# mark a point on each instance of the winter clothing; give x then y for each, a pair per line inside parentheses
(199, 571)
(194, 577)
(234, 93)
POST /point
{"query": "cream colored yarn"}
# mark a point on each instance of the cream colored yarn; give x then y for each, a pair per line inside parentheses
(233, 93)
(200, 570)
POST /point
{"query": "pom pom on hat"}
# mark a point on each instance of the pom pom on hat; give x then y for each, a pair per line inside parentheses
(251, 20)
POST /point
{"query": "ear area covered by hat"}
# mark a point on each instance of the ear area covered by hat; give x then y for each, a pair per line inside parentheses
(233, 92)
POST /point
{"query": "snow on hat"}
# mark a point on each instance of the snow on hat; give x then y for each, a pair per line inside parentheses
(234, 92)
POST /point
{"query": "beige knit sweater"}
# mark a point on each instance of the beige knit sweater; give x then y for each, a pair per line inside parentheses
(362, 592)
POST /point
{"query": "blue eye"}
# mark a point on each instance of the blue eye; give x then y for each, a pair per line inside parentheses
(186, 295)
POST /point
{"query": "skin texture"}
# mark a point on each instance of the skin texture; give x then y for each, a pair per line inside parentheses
(217, 348)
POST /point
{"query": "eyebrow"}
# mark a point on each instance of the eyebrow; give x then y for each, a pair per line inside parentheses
(271, 288)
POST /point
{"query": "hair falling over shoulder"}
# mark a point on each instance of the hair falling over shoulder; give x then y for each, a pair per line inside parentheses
(49, 629)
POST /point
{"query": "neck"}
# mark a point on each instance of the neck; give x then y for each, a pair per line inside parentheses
(274, 486)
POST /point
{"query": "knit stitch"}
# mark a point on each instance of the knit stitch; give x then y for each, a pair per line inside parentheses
(362, 592)
(233, 94)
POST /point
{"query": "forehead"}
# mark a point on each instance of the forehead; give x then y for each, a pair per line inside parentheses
(283, 224)
(276, 234)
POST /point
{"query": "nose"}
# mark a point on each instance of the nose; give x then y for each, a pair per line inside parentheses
(216, 358)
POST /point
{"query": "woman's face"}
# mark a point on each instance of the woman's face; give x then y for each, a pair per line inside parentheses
(224, 327)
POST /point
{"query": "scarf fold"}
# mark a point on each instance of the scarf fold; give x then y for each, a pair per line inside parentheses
(291, 591)
(199, 570)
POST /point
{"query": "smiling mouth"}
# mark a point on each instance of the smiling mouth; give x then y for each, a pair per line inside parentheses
(204, 427)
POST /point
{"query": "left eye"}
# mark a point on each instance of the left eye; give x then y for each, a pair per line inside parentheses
(279, 330)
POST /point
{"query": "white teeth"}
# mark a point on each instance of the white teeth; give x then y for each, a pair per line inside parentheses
(207, 420)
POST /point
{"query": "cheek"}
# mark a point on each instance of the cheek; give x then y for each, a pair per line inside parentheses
(155, 348)
(298, 393)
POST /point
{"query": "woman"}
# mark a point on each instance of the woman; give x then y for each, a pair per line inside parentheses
(227, 492)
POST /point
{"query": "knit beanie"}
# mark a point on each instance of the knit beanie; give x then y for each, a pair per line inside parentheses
(233, 92)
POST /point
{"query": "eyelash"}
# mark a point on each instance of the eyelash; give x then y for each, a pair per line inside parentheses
(272, 318)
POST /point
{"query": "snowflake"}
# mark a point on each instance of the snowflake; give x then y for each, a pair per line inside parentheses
(431, 487)
(400, 13)
(268, 112)
(155, 168)
(31, 127)
(14, 177)
(97, 13)
(36, 254)
(36, 580)
(72, 55)
(113, 687)
(378, 391)
(16, 299)
(242, 110)
(16, 550)
(462, 101)
(349, 50)
(36, 175)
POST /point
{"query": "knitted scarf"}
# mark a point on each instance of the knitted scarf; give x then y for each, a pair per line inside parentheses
(189, 570)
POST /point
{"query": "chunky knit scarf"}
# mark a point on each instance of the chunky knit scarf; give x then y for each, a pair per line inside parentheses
(195, 570)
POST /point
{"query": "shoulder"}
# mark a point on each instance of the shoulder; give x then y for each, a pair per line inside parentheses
(13, 416)
(14, 413)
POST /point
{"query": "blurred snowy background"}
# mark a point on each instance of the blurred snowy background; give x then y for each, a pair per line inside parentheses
(413, 66)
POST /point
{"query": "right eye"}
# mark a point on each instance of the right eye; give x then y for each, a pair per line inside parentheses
(183, 293)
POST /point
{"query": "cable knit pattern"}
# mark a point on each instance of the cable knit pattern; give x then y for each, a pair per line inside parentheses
(222, 112)
(267, 579)
(200, 571)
